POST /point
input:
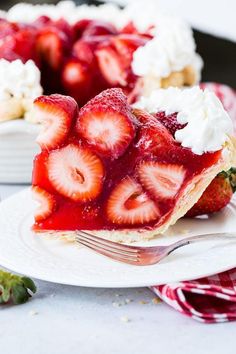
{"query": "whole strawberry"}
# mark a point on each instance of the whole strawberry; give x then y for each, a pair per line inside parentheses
(217, 195)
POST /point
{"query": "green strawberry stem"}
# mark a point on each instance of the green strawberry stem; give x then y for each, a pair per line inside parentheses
(231, 175)
(232, 178)
(15, 288)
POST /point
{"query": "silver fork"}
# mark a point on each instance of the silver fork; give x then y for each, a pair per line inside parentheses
(137, 255)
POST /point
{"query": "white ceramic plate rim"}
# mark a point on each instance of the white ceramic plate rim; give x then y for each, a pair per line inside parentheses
(19, 126)
(41, 258)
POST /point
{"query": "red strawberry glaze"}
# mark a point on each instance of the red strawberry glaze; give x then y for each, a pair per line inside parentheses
(148, 203)
(170, 122)
(89, 28)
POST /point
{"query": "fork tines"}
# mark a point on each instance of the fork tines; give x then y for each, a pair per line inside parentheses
(123, 253)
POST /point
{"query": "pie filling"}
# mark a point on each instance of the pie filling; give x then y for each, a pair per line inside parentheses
(108, 166)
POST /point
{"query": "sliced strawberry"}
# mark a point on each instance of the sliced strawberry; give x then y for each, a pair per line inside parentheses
(25, 44)
(7, 28)
(129, 28)
(107, 123)
(99, 28)
(170, 122)
(46, 202)
(74, 72)
(162, 181)
(51, 45)
(77, 80)
(126, 44)
(76, 173)
(40, 171)
(63, 26)
(111, 66)
(128, 204)
(7, 48)
(153, 136)
(80, 26)
(42, 21)
(56, 113)
(19, 45)
(136, 91)
(84, 50)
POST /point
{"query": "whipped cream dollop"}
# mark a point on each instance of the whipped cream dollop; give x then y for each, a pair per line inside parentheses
(208, 125)
(171, 49)
(19, 80)
(19, 86)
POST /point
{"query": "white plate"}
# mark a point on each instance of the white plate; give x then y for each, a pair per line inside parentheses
(54, 260)
(17, 150)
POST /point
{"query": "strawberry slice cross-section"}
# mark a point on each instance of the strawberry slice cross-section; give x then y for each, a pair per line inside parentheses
(111, 66)
(76, 173)
(46, 203)
(163, 181)
(51, 44)
(107, 123)
(56, 113)
(128, 204)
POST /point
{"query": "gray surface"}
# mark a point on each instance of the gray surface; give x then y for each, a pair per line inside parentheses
(82, 320)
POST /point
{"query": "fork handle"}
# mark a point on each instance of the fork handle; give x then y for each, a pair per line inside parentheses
(203, 237)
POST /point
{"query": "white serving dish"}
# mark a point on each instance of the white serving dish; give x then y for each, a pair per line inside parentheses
(17, 150)
(52, 259)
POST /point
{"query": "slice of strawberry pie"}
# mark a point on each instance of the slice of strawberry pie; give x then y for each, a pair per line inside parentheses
(120, 171)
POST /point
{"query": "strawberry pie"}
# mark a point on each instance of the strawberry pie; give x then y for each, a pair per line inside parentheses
(127, 172)
(83, 50)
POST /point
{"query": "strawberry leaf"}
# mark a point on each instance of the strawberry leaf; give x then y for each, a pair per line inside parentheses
(6, 294)
(19, 294)
(232, 178)
(28, 283)
(15, 288)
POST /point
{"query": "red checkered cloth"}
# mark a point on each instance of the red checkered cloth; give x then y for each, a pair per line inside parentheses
(208, 300)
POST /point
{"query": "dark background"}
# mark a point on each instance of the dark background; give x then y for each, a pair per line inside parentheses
(219, 55)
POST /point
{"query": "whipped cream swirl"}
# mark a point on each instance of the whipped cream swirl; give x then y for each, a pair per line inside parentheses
(19, 80)
(208, 125)
(19, 86)
(172, 49)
